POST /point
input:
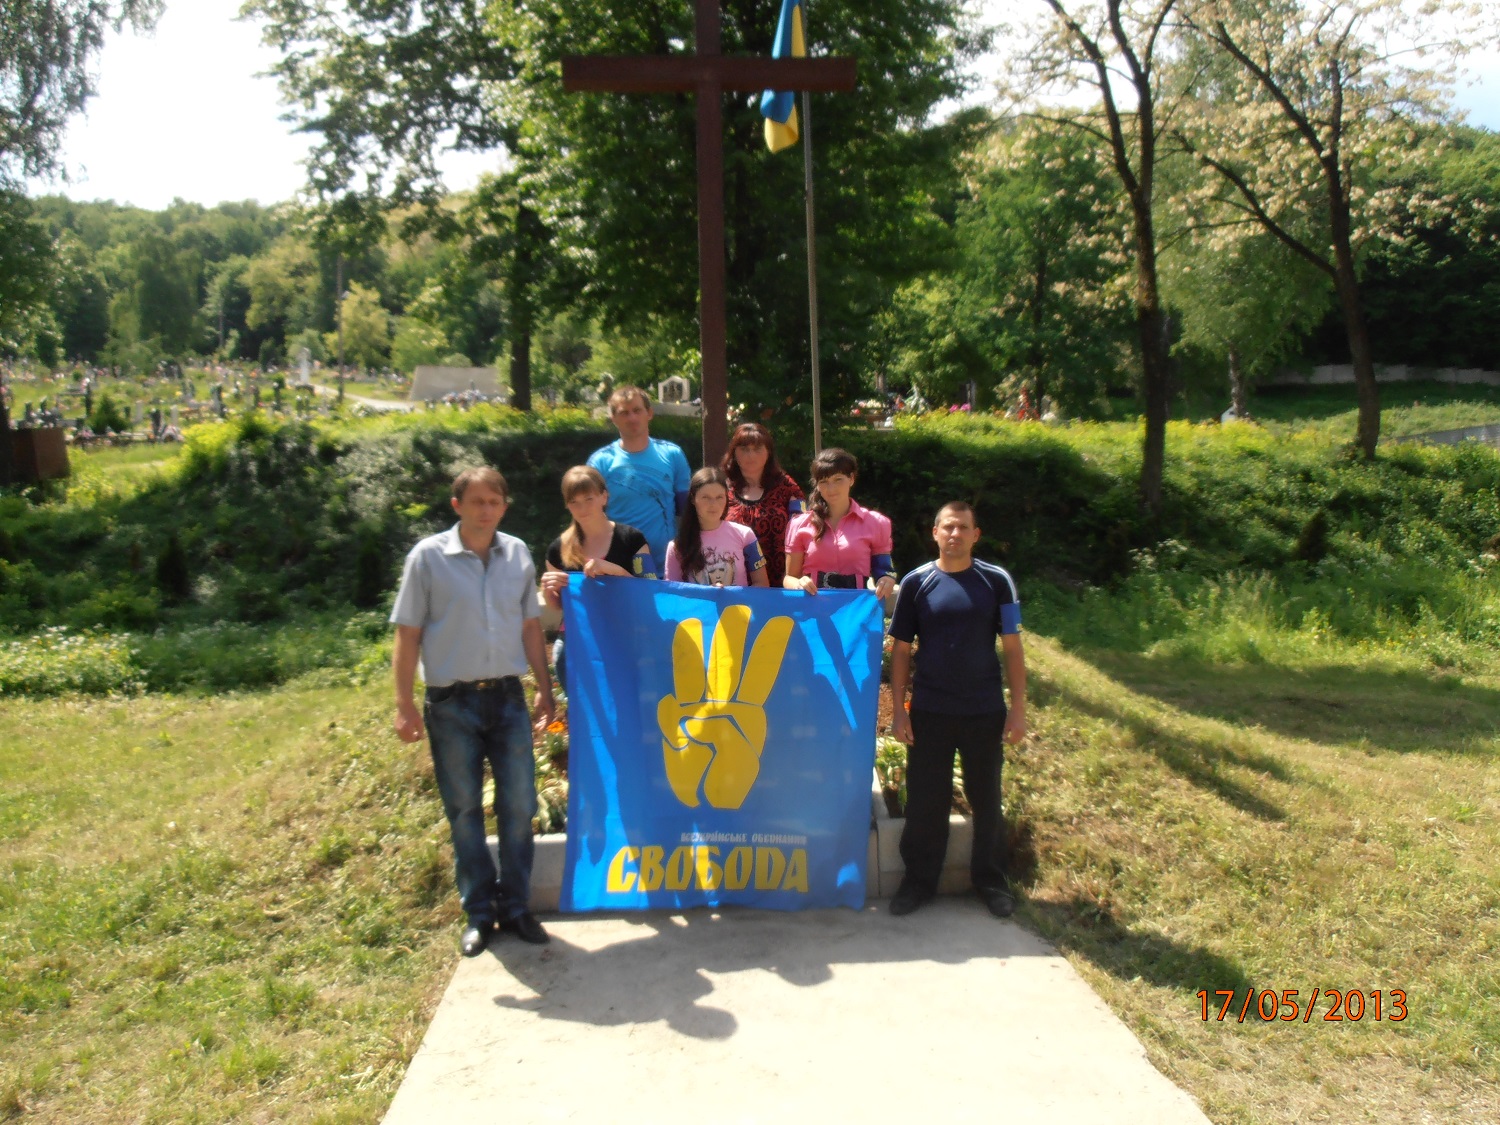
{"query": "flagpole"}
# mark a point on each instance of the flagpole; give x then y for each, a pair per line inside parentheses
(812, 271)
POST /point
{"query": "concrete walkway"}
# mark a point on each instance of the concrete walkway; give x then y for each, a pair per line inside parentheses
(746, 1016)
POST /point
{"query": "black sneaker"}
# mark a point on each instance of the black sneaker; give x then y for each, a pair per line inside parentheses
(527, 928)
(1001, 903)
(908, 899)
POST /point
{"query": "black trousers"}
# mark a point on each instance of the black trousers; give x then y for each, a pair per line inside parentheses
(979, 741)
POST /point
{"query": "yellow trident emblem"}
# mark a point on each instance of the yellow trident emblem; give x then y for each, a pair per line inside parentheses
(713, 725)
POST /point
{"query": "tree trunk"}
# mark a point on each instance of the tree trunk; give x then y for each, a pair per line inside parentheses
(521, 310)
(1367, 434)
(1152, 328)
(1154, 388)
(7, 446)
(520, 369)
(1239, 398)
(1346, 282)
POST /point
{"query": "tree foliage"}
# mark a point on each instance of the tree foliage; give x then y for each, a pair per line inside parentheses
(1115, 49)
(1318, 99)
(1045, 259)
(1431, 292)
(47, 53)
(366, 329)
(613, 177)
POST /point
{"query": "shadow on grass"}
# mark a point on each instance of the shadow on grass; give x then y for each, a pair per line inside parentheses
(1374, 708)
(1199, 761)
(1084, 926)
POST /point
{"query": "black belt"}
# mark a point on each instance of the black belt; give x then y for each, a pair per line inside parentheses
(463, 687)
(827, 581)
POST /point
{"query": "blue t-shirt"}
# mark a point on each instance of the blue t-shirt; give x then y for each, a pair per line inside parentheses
(957, 616)
(643, 488)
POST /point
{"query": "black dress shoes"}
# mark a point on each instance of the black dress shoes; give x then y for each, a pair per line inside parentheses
(476, 936)
(909, 898)
(527, 928)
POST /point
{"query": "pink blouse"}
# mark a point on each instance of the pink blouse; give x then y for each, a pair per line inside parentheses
(843, 550)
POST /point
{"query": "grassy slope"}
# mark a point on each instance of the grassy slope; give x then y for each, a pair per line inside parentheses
(1226, 791)
(1276, 827)
(215, 909)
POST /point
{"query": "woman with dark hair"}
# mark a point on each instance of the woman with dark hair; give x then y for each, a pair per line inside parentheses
(762, 496)
(593, 543)
(710, 550)
(836, 544)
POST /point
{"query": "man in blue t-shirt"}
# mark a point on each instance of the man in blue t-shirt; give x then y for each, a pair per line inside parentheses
(647, 478)
(957, 606)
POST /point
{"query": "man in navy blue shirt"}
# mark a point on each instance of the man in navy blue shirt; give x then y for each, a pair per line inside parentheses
(957, 606)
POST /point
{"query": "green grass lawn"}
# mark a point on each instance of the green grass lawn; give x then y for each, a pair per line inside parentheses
(1274, 773)
(1406, 408)
(240, 907)
(1308, 825)
(215, 909)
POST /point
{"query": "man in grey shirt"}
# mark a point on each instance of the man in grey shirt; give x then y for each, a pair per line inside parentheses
(468, 608)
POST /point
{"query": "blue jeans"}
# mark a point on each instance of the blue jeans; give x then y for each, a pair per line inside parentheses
(468, 727)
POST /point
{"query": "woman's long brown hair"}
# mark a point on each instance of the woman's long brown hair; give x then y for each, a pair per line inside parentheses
(752, 433)
(689, 533)
(829, 463)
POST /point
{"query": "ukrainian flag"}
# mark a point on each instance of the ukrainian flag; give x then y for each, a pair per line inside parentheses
(780, 108)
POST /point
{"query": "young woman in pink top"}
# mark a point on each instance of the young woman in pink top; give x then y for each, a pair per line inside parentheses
(836, 544)
(709, 550)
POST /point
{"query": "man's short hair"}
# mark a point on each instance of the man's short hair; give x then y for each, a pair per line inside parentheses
(623, 395)
(481, 475)
(957, 507)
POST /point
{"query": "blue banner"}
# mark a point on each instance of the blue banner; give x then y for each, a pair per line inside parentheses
(721, 745)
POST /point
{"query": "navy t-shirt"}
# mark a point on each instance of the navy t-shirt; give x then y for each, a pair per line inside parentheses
(957, 616)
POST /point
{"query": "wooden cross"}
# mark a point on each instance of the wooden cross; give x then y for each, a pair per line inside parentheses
(708, 74)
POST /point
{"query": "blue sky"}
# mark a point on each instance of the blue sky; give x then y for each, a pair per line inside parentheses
(182, 113)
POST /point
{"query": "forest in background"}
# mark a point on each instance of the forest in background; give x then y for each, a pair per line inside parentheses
(1032, 212)
(1131, 247)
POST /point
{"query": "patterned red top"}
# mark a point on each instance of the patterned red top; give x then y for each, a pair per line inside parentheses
(768, 518)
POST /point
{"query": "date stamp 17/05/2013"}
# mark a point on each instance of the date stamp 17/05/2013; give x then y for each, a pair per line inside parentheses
(1323, 1005)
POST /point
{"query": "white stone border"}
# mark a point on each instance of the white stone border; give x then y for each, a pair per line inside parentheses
(883, 868)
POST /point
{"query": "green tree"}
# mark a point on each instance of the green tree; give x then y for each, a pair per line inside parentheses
(82, 300)
(284, 284)
(28, 273)
(47, 53)
(416, 342)
(1044, 263)
(158, 297)
(1113, 48)
(1248, 306)
(226, 302)
(384, 88)
(1295, 135)
(614, 180)
(367, 328)
(1431, 294)
(644, 357)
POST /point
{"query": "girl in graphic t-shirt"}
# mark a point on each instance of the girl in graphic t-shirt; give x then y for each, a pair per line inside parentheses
(709, 550)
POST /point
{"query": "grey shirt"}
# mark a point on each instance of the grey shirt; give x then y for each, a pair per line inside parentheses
(470, 614)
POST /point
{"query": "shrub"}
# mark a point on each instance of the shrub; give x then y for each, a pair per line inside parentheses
(108, 415)
(56, 661)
